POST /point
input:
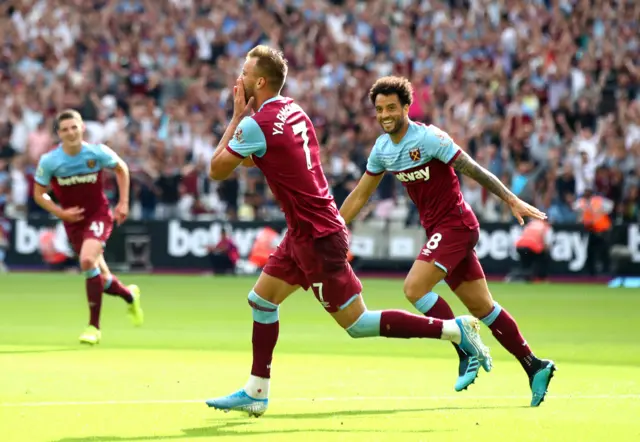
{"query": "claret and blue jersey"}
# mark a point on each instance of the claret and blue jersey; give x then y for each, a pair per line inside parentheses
(421, 161)
(283, 144)
(76, 180)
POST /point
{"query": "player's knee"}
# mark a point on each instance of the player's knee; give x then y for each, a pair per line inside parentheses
(264, 312)
(414, 290)
(481, 307)
(367, 325)
(88, 263)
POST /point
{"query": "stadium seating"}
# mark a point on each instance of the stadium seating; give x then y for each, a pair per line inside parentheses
(524, 90)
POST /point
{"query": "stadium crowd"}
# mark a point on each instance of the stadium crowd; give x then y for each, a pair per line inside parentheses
(542, 92)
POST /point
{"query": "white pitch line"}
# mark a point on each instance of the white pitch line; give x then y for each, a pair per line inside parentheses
(321, 399)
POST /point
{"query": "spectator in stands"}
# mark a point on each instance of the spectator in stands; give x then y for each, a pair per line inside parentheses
(515, 83)
(224, 255)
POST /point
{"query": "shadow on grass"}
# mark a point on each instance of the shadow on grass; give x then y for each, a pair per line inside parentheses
(43, 350)
(228, 428)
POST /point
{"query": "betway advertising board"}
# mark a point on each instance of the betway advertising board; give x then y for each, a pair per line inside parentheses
(183, 245)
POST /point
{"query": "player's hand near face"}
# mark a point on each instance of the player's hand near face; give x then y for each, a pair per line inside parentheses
(520, 210)
(72, 215)
(241, 107)
(121, 212)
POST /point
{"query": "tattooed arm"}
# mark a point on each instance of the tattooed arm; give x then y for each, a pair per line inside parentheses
(467, 166)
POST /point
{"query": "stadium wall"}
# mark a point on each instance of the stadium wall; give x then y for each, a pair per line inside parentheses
(181, 246)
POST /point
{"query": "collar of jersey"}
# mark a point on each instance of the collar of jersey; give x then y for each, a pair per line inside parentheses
(276, 98)
(84, 144)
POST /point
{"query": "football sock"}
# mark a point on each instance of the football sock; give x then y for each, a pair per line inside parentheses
(113, 286)
(257, 387)
(94, 288)
(266, 326)
(395, 324)
(505, 330)
(435, 306)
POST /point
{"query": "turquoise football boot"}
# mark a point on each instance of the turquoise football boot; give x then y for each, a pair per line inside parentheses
(470, 341)
(240, 401)
(467, 372)
(539, 382)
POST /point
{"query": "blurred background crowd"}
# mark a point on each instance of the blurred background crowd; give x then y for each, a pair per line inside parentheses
(544, 93)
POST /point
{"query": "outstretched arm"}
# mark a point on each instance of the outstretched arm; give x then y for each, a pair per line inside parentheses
(467, 166)
(359, 196)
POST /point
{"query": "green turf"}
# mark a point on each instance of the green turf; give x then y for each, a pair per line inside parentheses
(149, 383)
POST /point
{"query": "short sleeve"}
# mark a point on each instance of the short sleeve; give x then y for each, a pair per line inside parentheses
(374, 166)
(248, 139)
(43, 171)
(441, 146)
(107, 157)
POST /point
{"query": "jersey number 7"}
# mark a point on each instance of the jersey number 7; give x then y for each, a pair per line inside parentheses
(301, 129)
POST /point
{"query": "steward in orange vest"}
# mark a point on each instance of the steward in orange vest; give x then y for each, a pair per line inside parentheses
(594, 213)
(532, 246)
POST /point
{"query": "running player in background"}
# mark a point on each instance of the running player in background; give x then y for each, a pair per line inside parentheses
(424, 159)
(281, 140)
(74, 172)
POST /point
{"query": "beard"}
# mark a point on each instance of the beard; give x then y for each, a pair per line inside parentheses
(397, 126)
(248, 92)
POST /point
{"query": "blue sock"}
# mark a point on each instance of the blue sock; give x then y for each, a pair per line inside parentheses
(88, 274)
(491, 317)
(264, 312)
(426, 303)
(367, 325)
(107, 282)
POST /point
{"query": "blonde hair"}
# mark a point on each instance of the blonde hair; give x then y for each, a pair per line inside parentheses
(271, 65)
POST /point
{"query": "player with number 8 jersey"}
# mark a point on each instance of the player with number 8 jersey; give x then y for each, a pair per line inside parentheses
(425, 160)
(74, 170)
(279, 138)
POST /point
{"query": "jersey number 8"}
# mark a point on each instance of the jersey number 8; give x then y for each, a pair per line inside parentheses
(434, 241)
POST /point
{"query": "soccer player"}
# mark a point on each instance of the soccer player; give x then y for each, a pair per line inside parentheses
(74, 172)
(281, 141)
(424, 159)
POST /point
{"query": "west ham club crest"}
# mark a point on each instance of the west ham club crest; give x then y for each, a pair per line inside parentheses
(238, 135)
(414, 154)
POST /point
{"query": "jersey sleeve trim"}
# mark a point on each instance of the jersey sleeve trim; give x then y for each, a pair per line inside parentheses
(454, 157)
(234, 153)
(40, 182)
(368, 172)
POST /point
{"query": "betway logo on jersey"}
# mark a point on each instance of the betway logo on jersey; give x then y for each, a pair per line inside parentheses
(415, 175)
(91, 178)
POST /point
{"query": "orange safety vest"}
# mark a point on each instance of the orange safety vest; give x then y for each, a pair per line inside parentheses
(265, 244)
(48, 251)
(594, 217)
(532, 237)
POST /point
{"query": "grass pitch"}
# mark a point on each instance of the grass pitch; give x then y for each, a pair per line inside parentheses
(149, 384)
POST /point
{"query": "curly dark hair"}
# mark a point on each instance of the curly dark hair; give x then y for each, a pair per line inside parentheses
(399, 86)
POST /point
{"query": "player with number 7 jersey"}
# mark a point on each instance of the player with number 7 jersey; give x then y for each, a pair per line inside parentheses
(280, 140)
(74, 172)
